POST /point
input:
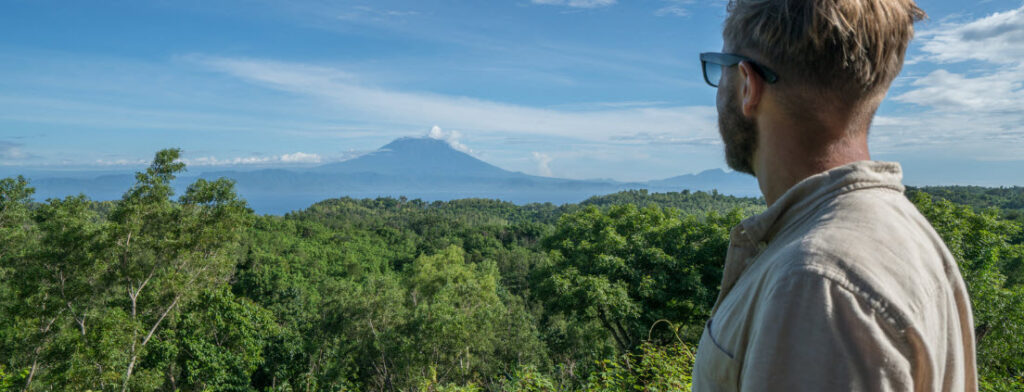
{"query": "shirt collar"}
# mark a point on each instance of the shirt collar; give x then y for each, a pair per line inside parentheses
(801, 198)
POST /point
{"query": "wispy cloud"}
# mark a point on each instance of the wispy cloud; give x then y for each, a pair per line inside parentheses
(674, 8)
(293, 158)
(296, 158)
(665, 138)
(997, 38)
(115, 162)
(584, 106)
(976, 114)
(466, 113)
(452, 137)
(543, 163)
(12, 151)
(1001, 91)
(366, 13)
(577, 3)
(957, 134)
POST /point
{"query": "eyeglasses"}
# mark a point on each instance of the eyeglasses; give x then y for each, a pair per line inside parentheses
(714, 63)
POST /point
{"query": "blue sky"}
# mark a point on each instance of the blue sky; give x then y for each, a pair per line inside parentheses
(566, 88)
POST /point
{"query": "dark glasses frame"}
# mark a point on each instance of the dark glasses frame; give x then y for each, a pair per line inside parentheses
(730, 59)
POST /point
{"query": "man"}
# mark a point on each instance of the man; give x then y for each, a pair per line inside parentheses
(840, 284)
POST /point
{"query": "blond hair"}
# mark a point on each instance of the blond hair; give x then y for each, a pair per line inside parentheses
(854, 48)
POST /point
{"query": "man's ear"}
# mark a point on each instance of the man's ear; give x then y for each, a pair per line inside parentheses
(753, 87)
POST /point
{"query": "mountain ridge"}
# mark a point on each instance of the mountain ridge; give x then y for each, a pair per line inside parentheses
(424, 168)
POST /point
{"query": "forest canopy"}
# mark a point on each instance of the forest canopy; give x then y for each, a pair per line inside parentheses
(158, 292)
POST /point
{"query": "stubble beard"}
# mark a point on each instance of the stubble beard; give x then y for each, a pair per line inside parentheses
(739, 135)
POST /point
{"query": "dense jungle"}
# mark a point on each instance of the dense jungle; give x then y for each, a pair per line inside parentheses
(194, 292)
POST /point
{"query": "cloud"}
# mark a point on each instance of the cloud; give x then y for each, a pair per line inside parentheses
(452, 137)
(584, 106)
(255, 159)
(300, 157)
(543, 163)
(349, 94)
(674, 8)
(665, 138)
(364, 13)
(121, 162)
(997, 38)
(577, 3)
(956, 134)
(293, 158)
(974, 114)
(1001, 91)
(12, 151)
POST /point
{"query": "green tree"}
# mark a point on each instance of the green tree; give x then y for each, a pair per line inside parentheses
(166, 252)
(15, 217)
(219, 341)
(528, 379)
(981, 244)
(369, 315)
(326, 287)
(19, 335)
(627, 268)
(654, 368)
(453, 323)
(61, 281)
(7, 381)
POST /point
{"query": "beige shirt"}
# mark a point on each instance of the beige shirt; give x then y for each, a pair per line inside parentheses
(840, 285)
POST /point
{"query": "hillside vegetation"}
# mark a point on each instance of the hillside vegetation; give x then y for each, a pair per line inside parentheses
(1009, 201)
(195, 293)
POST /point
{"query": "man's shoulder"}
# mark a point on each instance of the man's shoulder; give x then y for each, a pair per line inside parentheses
(867, 228)
(873, 243)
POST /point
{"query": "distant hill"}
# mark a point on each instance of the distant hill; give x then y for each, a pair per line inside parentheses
(730, 183)
(1009, 200)
(416, 168)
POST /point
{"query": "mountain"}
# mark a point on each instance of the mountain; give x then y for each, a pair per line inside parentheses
(421, 168)
(730, 183)
(418, 156)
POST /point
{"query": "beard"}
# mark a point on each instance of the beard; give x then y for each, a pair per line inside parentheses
(739, 135)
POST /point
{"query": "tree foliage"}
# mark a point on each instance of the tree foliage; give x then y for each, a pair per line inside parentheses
(196, 293)
(629, 267)
(990, 262)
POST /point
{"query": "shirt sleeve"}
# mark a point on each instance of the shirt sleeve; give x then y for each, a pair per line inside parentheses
(815, 334)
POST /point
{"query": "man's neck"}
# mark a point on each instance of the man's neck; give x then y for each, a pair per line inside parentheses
(786, 155)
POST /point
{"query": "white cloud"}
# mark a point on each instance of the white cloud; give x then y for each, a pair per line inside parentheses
(121, 162)
(300, 157)
(400, 108)
(943, 90)
(577, 3)
(364, 13)
(975, 115)
(997, 38)
(665, 138)
(436, 133)
(543, 163)
(293, 158)
(452, 137)
(12, 151)
(674, 8)
(954, 134)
